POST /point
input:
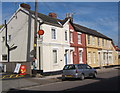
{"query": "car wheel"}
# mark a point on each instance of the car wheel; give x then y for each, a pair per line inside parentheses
(94, 75)
(63, 79)
(82, 77)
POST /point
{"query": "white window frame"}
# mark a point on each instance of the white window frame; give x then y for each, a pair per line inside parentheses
(88, 36)
(79, 38)
(93, 40)
(71, 56)
(66, 35)
(53, 34)
(4, 55)
(80, 57)
(94, 57)
(81, 50)
(98, 41)
(89, 58)
(71, 37)
(103, 42)
(3, 38)
(9, 36)
(56, 56)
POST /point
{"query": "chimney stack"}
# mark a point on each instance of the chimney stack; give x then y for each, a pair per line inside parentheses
(26, 6)
(53, 15)
(69, 16)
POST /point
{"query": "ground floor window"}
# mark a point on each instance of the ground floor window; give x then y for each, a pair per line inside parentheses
(89, 57)
(66, 57)
(71, 56)
(80, 56)
(94, 57)
(55, 56)
(4, 57)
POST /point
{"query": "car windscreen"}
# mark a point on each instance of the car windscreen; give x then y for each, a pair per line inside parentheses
(69, 67)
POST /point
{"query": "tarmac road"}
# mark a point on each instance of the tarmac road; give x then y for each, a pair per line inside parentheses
(108, 81)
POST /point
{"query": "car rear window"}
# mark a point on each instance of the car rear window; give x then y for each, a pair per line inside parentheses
(69, 67)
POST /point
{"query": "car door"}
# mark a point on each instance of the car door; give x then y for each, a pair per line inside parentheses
(85, 70)
(89, 70)
(80, 69)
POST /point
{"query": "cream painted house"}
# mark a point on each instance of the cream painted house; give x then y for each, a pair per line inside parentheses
(100, 50)
(53, 48)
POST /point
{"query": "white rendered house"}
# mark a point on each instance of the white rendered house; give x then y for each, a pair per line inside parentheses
(51, 47)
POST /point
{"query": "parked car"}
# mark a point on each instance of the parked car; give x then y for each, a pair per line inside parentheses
(78, 71)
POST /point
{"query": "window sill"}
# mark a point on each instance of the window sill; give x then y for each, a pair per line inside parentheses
(71, 42)
(80, 43)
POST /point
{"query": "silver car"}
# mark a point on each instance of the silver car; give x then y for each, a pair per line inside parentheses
(78, 71)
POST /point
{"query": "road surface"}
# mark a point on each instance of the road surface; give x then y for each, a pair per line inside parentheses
(108, 81)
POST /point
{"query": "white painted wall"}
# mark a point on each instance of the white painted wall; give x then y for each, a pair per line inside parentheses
(18, 29)
(48, 45)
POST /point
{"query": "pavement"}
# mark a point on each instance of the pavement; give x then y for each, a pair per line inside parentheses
(103, 70)
(35, 81)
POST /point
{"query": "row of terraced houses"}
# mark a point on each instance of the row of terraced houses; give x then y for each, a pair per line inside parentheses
(64, 42)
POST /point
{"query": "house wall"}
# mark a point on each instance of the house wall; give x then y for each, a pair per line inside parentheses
(18, 29)
(48, 45)
(115, 56)
(78, 47)
(21, 29)
(107, 55)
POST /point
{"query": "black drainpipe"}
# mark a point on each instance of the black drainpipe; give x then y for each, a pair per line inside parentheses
(7, 43)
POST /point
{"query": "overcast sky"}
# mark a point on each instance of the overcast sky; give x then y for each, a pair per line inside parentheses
(100, 16)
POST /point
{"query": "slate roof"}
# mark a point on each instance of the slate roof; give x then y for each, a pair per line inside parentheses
(89, 31)
(77, 27)
(47, 19)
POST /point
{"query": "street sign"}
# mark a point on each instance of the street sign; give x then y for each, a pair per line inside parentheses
(22, 70)
(17, 68)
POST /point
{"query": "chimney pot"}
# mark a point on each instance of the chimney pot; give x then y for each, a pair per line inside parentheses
(53, 15)
(26, 6)
(70, 16)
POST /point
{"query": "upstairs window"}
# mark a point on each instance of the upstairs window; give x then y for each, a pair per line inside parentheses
(9, 37)
(98, 41)
(89, 57)
(3, 39)
(71, 37)
(102, 42)
(79, 38)
(53, 33)
(94, 57)
(106, 43)
(88, 39)
(66, 35)
(93, 40)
